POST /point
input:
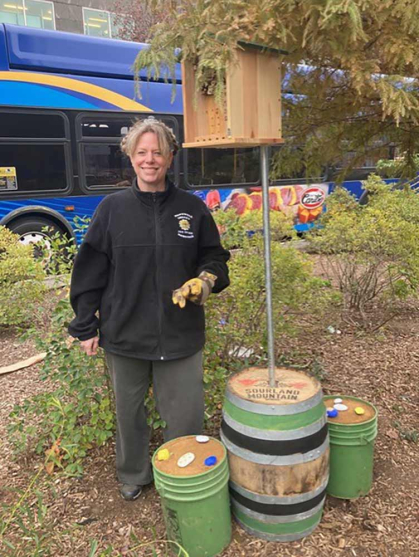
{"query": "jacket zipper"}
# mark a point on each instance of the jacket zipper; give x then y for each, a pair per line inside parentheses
(160, 309)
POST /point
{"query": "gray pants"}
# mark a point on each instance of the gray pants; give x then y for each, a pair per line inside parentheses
(179, 395)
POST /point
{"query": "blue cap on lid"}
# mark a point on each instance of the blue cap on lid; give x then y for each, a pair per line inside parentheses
(210, 461)
(332, 413)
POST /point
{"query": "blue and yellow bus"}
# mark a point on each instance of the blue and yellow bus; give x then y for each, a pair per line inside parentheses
(65, 102)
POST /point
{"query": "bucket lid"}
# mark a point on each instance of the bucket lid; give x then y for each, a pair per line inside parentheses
(291, 386)
(351, 416)
(179, 450)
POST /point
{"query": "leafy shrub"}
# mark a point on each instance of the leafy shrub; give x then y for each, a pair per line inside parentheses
(57, 250)
(77, 414)
(236, 318)
(21, 280)
(237, 229)
(373, 250)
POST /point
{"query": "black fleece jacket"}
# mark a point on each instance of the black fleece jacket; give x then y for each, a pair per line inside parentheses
(140, 247)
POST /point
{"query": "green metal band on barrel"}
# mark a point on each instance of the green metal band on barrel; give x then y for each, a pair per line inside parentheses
(273, 422)
(275, 435)
(278, 532)
(275, 409)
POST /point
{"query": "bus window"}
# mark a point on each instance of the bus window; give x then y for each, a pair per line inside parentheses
(39, 167)
(105, 127)
(32, 126)
(103, 165)
(36, 146)
(106, 165)
(294, 174)
(206, 167)
(365, 164)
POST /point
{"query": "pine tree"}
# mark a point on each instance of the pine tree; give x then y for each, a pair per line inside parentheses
(351, 69)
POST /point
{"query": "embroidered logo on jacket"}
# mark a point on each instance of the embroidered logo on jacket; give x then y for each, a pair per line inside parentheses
(184, 220)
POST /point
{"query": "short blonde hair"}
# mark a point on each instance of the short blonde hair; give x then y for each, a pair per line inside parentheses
(165, 137)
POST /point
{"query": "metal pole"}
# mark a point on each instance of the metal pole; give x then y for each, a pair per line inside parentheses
(264, 160)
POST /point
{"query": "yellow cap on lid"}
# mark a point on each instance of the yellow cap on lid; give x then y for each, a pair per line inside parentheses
(163, 454)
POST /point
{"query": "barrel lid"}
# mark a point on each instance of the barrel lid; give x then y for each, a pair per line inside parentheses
(291, 386)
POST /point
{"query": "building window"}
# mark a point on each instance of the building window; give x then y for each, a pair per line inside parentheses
(100, 23)
(32, 13)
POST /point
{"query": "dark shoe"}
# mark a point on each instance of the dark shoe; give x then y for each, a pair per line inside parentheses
(130, 492)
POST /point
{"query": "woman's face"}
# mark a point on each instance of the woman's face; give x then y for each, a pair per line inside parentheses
(149, 164)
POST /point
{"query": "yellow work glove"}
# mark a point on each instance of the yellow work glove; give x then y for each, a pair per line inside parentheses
(196, 290)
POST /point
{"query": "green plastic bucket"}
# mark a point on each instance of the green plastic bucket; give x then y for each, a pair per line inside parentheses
(196, 508)
(351, 453)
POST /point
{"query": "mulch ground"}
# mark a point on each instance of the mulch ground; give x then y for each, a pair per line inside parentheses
(382, 368)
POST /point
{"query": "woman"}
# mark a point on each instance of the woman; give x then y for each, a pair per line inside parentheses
(149, 260)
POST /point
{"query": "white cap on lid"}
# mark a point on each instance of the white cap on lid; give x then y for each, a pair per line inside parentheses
(202, 438)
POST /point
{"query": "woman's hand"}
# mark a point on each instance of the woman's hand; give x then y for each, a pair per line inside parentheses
(90, 346)
(196, 290)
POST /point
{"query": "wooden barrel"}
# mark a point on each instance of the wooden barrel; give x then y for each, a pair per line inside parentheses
(278, 450)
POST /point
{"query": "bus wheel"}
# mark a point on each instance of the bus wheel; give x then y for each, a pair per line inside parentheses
(37, 231)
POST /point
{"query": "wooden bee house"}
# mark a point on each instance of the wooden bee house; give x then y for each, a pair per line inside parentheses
(251, 115)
